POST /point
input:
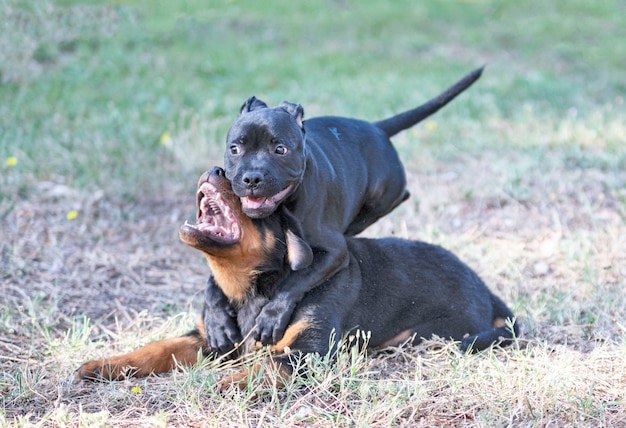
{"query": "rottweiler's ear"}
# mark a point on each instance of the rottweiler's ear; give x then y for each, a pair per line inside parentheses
(252, 103)
(299, 253)
(295, 110)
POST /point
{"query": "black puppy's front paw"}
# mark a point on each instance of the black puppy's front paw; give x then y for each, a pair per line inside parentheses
(272, 321)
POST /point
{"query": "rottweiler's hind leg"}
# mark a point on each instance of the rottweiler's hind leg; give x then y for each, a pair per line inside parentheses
(498, 336)
(155, 357)
(275, 370)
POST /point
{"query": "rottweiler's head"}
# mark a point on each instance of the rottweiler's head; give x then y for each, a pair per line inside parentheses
(265, 156)
(236, 247)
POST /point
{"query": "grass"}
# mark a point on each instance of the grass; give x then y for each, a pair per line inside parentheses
(109, 111)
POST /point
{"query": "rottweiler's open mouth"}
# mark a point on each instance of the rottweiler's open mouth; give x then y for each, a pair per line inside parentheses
(215, 220)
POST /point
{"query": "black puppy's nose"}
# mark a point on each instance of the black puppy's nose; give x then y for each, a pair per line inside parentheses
(252, 179)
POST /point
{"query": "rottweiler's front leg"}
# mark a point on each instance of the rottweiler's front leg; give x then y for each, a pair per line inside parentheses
(156, 357)
(221, 329)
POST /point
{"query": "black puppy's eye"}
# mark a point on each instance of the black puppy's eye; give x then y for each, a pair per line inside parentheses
(280, 150)
(234, 150)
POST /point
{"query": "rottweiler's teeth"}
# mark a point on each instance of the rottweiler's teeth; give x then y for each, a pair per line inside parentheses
(214, 206)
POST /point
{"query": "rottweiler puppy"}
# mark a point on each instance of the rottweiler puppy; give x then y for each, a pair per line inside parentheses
(397, 290)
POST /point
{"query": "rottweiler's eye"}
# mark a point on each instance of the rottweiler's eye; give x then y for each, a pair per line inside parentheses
(280, 150)
(234, 150)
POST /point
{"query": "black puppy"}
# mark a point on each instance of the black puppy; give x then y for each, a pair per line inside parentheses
(335, 175)
(396, 289)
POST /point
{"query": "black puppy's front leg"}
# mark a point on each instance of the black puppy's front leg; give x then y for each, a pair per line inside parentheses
(220, 320)
(276, 314)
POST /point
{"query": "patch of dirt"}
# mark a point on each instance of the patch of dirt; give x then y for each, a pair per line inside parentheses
(111, 258)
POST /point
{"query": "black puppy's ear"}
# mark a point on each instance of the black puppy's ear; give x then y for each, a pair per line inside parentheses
(295, 110)
(252, 103)
(299, 253)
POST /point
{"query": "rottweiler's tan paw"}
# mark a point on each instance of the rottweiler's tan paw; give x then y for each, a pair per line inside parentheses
(102, 370)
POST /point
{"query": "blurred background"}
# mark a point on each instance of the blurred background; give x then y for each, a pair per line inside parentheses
(131, 97)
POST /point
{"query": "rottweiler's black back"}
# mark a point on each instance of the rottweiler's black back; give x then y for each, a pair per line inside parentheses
(412, 285)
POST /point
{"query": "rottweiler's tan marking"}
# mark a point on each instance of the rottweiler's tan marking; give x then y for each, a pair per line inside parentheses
(155, 357)
(235, 269)
(399, 339)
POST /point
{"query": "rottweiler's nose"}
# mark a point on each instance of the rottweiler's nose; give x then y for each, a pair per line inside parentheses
(252, 179)
(217, 171)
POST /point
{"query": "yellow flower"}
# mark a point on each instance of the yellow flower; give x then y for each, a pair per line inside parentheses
(431, 125)
(71, 215)
(11, 161)
(136, 389)
(165, 138)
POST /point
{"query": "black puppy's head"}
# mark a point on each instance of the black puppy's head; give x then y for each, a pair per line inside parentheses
(236, 247)
(265, 155)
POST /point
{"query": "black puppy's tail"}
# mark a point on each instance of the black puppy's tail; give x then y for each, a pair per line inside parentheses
(501, 335)
(405, 120)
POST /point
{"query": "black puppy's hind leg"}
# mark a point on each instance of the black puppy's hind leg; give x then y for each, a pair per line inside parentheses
(374, 210)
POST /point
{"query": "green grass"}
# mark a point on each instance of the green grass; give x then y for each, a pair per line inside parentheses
(113, 109)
